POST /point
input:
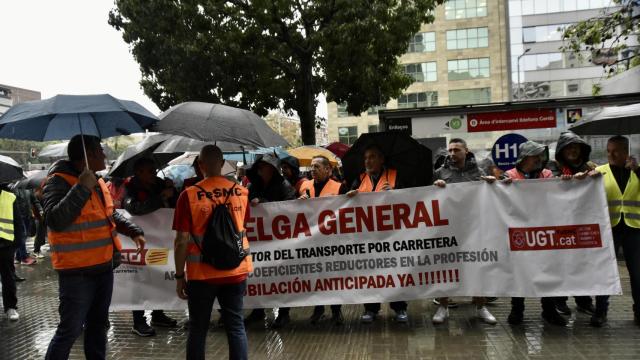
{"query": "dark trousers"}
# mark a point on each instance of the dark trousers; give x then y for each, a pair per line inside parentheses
(41, 236)
(138, 316)
(21, 243)
(582, 301)
(548, 304)
(84, 300)
(7, 269)
(395, 305)
(230, 298)
(629, 239)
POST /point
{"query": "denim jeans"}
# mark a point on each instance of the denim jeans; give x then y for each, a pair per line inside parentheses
(84, 300)
(201, 298)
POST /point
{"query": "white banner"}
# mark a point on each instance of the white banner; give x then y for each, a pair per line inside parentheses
(530, 238)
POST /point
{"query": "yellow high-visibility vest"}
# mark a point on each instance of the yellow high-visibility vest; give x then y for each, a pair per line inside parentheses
(6, 215)
(619, 203)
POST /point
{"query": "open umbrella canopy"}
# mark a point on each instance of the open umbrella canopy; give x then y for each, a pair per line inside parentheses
(64, 116)
(181, 144)
(10, 170)
(34, 179)
(411, 159)
(338, 148)
(229, 167)
(59, 150)
(613, 120)
(305, 154)
(123, 167)
(215, 122)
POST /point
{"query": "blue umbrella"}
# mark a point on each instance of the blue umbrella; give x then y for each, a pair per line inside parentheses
(64, 116)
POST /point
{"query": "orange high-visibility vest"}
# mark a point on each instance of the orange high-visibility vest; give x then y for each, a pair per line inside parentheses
(331, 188)
(388, 176)
(201, 211)
(89, 240)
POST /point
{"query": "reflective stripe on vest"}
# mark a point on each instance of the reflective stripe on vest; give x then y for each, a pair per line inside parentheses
(627, 204)
(7, 200)
(201, 208)
(387, 176)
(331, 188)
(90, 239)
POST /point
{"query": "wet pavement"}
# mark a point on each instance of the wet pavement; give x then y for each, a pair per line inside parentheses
(463, 337)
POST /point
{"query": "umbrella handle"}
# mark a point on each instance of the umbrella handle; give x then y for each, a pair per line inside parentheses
(84, 149)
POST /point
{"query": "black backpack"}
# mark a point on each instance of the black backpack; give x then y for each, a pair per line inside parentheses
(222, 243)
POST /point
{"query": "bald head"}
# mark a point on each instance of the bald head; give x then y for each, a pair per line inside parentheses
(210, 160)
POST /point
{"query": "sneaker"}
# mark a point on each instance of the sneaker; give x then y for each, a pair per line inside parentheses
(586, 308)
(562, 308)
(163, 320)
(368, 317)
(281, 321)
(515, 317)
(486, 316)
(553, 317)
(28, 261)
(337, 318)
(452, 304)
(441, 315)
(13, 315)
(255, 316)
(318, 312)
(597, 320)
(38, 255)
(401, 316)
(143, 330)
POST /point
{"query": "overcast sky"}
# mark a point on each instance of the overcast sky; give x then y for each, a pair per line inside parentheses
(67, 47)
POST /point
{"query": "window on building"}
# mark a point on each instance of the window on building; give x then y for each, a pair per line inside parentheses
(531, 7)
(464, 69)
(374, 109)
(551, 61)
(415, 100)
(462, 9)
(469, 96)
(347, 135)
(543, 33)
(422, 42)
(373, 128)
(557, 88)
(467, 38)
(422, 72)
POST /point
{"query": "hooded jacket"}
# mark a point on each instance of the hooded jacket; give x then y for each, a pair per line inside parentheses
(62, 204)
(278, 189)
(451, 174)
(296, 181)
(560, 166)
(531, 148)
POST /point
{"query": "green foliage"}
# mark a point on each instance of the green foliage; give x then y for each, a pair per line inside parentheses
(605, 37)
(268, 54)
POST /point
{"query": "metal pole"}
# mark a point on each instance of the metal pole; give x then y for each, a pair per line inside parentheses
(518, 67)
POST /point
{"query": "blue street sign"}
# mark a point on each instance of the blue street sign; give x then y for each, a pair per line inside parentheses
(505, 151)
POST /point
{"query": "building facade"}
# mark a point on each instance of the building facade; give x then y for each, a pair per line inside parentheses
(461, 58)
(11, 95)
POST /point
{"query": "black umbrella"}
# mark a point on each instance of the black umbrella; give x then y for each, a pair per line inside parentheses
(10, 170)
(181, 144)
(215, 122)
(411, 159)
(34, 179)
(615, 120)
(123, 167)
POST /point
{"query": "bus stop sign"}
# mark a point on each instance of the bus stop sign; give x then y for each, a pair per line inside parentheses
(505, 151)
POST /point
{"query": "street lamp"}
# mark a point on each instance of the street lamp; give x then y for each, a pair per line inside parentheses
(518, 66)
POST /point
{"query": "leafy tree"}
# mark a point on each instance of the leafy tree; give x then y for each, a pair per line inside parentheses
(606, 37)
(268, 54)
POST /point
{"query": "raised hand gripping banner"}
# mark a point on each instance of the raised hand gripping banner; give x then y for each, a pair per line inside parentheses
(530, 238)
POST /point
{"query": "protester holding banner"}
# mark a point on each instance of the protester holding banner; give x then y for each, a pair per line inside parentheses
(532, 158)
(146, 193)
(10, 229)
(572, 162)
(83, 236)
(322, 185)
(378, 178)
(460, 166)
(268, 185)
(206, 283)
(622, 186)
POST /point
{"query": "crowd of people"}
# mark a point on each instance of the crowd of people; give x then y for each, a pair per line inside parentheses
(79, 209)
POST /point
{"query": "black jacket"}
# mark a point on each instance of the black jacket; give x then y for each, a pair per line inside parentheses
(140, 200)
(17, 225)
(450, 174)
(278, 189)
(63, 203)
(567, 138)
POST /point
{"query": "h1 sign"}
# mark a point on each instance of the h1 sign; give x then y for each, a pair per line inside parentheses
(505, 151)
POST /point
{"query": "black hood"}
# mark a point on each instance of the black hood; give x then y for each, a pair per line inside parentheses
(294, 163)
(567, 138)
(270, 159)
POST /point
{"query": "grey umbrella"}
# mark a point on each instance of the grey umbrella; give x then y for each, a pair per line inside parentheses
(214, 122)
(614, 120)
(181, 144)
(10, 170)
(123, 167)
